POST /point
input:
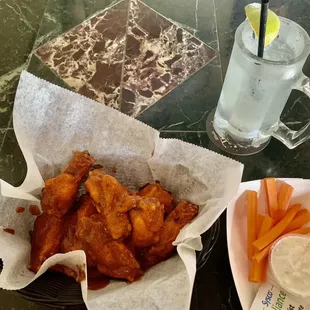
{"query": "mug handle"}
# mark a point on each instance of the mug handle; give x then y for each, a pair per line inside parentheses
(292, 138)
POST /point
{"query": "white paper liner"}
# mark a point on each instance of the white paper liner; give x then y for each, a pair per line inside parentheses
(50, 123)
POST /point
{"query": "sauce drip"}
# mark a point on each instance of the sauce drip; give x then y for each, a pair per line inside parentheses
(20, 210)
(9, 230)
(34, 210)
(98, 283)
(81, 273)
(96, 280)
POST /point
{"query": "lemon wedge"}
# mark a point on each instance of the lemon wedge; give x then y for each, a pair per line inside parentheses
(252, 12)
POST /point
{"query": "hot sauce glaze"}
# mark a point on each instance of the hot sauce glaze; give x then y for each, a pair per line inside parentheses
(9, 230)
(20, 210)
(96, 280)
(98, 283)
(81, 273)
(34, 210)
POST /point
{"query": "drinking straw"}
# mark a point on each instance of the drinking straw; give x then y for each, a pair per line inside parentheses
(262, 27)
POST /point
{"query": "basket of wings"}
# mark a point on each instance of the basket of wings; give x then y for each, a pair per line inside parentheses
(113, 198)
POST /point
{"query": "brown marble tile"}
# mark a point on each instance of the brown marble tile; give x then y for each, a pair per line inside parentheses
(89, 57)
(127, 57)
(159, 56)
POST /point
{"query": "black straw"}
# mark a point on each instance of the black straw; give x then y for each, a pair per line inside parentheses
(262, 27)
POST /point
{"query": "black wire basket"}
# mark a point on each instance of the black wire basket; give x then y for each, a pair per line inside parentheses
(60, 292)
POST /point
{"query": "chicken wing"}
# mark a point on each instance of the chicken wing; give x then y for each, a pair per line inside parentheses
(89, 229)
(156, 191)
(146, 220)
(86, 206)
(113, 258)
(183, 213)
(59, 194)
(110, 198)
(116, 260)
(45, 239)
(119, 230)
(70, 242)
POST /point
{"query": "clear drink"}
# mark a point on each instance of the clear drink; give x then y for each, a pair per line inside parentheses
(255, 91)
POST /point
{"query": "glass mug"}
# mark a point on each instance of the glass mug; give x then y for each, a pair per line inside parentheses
(256, 90)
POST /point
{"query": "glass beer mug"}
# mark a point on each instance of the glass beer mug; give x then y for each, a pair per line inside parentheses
(256, 90)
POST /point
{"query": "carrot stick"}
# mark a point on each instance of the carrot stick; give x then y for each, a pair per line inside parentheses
(258, 271)
(259, 221)
(271, 194)
(277, 230)
(263, 253)
(252, 219)
(254, 275)
(301, 218)
(284, 198)
(301, 231)
(267, 224)
(264, 267)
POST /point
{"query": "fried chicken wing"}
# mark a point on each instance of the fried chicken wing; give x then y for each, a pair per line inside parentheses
(90, 229)
(86, 206)
(183, 213)
(59, 194)
(90, 225)
(110, 198)
(45, 239)
(70, 242)
(113, 258)
(122, 232)
(116, 260)
(156, 191)
(105, 190)
(146, 220)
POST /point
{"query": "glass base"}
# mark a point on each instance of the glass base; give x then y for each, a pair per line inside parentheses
(227, 143)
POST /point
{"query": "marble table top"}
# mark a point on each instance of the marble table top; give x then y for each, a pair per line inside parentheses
(160, 61)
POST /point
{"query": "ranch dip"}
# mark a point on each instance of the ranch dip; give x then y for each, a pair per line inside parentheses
(290, 264)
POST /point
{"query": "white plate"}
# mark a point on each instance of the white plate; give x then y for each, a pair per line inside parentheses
(237, 231)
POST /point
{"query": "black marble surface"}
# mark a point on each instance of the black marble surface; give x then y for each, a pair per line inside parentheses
(180, 113)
